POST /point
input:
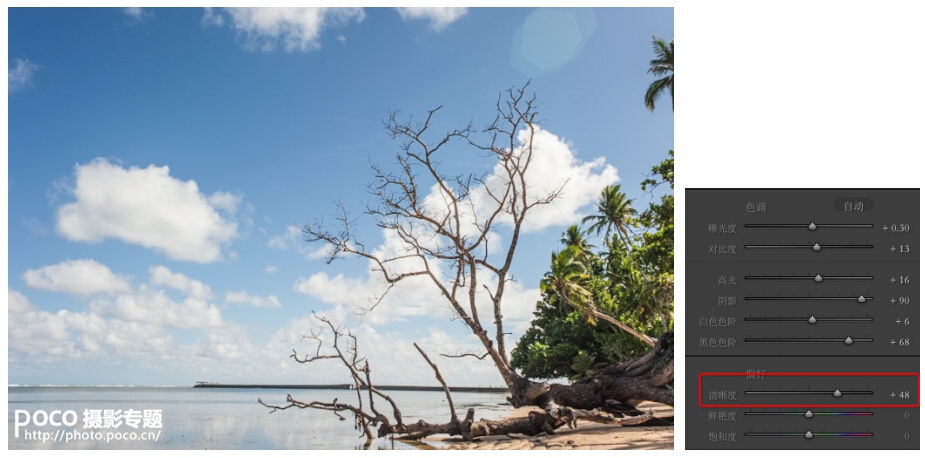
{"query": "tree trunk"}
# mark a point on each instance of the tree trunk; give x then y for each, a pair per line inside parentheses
(616, 389)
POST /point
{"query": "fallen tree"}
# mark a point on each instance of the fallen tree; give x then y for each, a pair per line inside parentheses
(445, 224)
(609, 397)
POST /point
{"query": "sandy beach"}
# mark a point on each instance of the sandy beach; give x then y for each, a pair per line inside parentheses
(587, 436)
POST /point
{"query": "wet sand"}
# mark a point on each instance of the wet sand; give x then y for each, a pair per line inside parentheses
(587, 436)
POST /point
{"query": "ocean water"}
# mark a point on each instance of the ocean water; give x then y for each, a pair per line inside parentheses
(211, 418)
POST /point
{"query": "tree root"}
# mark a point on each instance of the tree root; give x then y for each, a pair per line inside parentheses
(610, 397)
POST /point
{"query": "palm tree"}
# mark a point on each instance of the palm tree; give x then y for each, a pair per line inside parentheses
(568, 283)
(663, 64)
(574, 236)
(614, 212)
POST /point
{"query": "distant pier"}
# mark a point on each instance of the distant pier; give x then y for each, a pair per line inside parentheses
(455, 389)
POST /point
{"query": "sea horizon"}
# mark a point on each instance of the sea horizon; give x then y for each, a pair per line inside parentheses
(255, 385)
(191, 418)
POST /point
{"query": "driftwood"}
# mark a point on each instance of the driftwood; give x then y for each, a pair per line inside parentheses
(445, 224)
(590, 399)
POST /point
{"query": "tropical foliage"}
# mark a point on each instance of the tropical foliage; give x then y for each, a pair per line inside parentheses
(662, 67)
(599, 307)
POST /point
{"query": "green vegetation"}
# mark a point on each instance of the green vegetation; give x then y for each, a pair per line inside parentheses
(662, 66)
(631, 282)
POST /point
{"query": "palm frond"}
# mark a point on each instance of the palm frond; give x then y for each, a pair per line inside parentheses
(662, 65)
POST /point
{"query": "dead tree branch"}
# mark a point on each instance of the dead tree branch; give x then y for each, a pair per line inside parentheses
(446, 389)
(461, 354)
(446, 222)
(367, 418)
(442, 231)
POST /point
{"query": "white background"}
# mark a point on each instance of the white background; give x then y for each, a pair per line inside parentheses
(780, 94)
(794, 94)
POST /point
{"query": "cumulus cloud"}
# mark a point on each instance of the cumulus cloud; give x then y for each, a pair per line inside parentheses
(384, 349)
(439, 18)
(20, 76)
(18, 303)
(47, 337)
(150, 208)
(227, 353)
(52, 338)
(82, 277)
(293, 29)
(241, 297)
(162, 276)
(155, 307)
(414, 297)
(144, 304)
(105, 336)
(359, 294)
(554, 166)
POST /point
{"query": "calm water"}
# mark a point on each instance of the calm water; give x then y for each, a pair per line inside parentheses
(225, 418)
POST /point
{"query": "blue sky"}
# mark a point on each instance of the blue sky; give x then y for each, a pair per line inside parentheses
(160, 161)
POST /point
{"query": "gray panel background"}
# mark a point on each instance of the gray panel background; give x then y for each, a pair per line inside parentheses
(802, 206)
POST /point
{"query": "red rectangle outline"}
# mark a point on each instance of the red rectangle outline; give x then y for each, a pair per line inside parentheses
(810, 374)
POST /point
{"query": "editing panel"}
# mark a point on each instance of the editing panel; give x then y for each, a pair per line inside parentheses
(803, 319)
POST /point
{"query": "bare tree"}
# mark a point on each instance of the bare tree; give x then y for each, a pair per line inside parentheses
(445, 237)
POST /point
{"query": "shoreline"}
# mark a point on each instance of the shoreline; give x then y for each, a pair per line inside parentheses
(586, 436)
(344, 386)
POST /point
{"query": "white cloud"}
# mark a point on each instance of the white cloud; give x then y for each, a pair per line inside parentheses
(212, 17)
(517, 305)
(154, 307)
(384, 350)
(150, 208)
(353, 292)
(39, 335)
(439, 18)
(227, 353)
(553, 167)
(39, 338)
(48, 337)
(20, 76)
(228, 343)
(270, 269)
(295, 29)
(415, 297)
(293, 239)
(554, 164)
(241, 297)
(82, 277)
(162, 276)
(18, 303)
(288, 239)
(145, 304)
(137, 14)
(225, 201)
